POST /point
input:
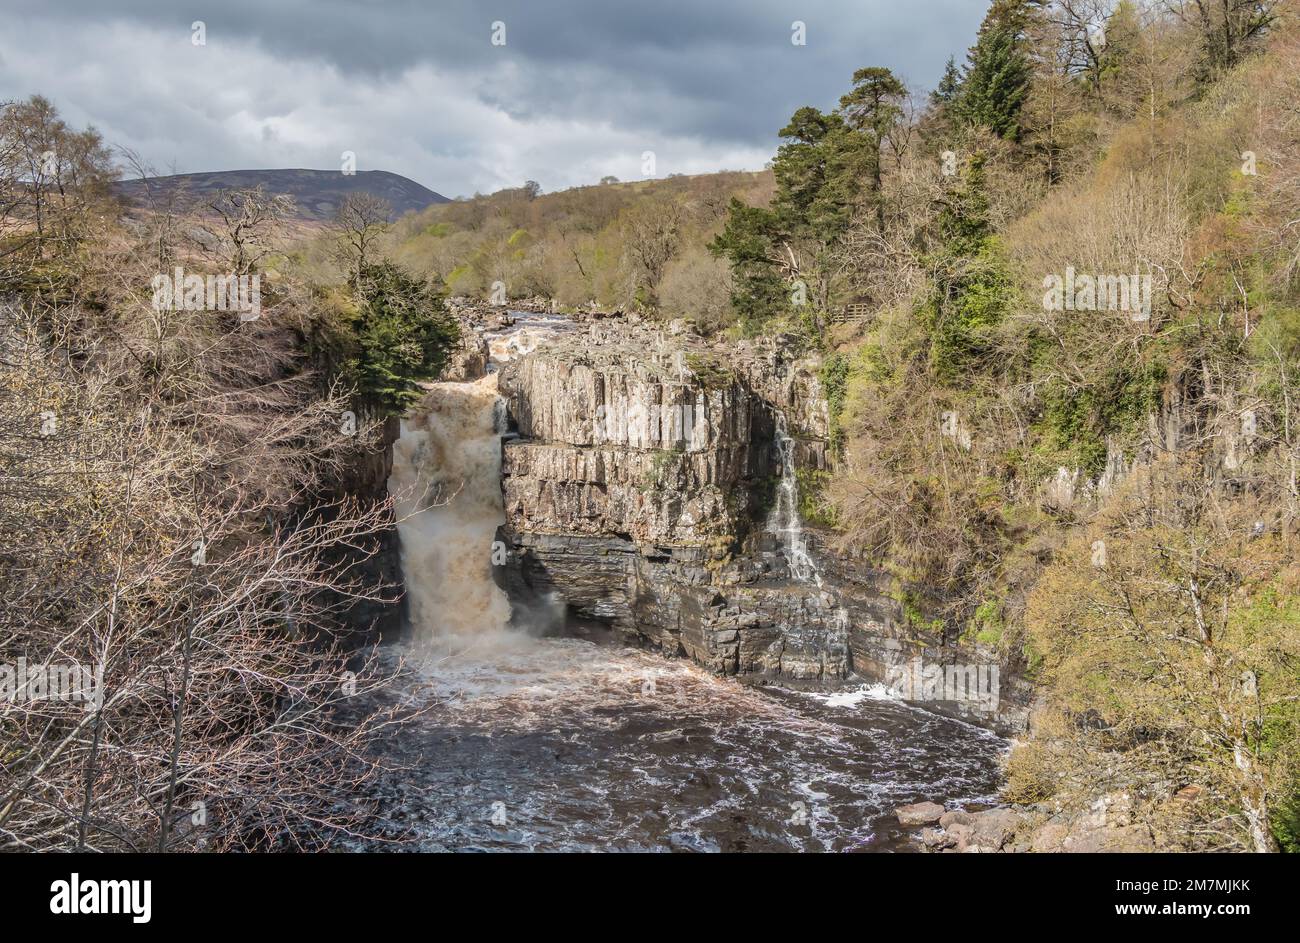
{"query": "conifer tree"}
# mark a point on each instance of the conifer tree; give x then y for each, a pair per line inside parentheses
(998, 70)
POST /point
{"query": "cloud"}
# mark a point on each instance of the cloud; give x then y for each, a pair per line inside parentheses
(579, 90)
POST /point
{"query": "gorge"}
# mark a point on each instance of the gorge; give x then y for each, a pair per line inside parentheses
(620, 625)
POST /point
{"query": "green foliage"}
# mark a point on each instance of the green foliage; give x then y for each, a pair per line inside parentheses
(972, 287)
(402, 334)
(1076, 423)
(834, 376)
(986, 625)
(622, 247)
(998, 72)
(1274, 346)
(711, 374)
(949, 88)
(829, 165)
(813, 508)
(913, 614)
(747, 242)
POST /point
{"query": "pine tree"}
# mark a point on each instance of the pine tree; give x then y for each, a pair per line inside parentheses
(998, 70)
(403, 336)
(873, 109)
(949, 87)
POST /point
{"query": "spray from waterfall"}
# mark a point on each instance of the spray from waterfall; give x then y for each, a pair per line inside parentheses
(446, 483)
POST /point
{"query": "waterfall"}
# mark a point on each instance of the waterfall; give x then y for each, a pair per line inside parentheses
(446, 484)
(784, 519)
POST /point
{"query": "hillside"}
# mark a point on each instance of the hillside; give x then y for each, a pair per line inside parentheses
(619, 246)
(316, 193)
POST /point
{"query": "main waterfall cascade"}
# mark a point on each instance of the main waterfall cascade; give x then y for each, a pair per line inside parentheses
(446, 484)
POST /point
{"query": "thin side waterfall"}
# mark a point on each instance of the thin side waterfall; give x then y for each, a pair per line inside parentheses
(784, 519)
(446, 482)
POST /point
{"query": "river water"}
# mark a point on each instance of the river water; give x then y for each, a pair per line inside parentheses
(568, 745)
(565, 744)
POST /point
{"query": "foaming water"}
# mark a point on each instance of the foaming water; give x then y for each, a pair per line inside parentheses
(523, 335)
(562, 744)
(446, 482)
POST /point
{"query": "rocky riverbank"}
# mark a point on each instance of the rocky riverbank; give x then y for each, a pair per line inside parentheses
(1107, 826)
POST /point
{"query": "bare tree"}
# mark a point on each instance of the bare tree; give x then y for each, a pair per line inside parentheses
(362, 219)
(241, 227)
(1227, 27)
(652, 231)
(53, 181)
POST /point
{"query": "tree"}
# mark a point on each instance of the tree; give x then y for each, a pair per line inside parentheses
(362, 219)
(1227, 29)
(241, 227)
(949, 88)
(403, 334)
(784, 255)
(652, 231)
(750, 241)
(54, 182)
(873, 109)
(164, 548)
(1170, 636)
(998, 70)
(971, 286)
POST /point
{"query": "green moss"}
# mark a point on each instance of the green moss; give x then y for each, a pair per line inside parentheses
(709, 372)
(913, 615)
(813, 507)
(986, 625)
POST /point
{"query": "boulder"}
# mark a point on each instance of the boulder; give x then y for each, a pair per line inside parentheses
(994, 828)
(936, 839)
(955, 817)
(919, 813)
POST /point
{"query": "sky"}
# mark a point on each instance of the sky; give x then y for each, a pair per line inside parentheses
(463, 96)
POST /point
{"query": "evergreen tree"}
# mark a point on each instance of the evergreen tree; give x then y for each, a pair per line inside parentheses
(403, 333)
(971, 285)
(873, 108)
(818, 173)
(949, 88)
(998, 70)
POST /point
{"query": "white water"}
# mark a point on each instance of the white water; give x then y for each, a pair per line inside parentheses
(784, 519)
(446, 483)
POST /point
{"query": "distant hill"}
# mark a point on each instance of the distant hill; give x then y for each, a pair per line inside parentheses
(317, 193)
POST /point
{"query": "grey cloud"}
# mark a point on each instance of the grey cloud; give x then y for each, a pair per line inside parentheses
(704, 76)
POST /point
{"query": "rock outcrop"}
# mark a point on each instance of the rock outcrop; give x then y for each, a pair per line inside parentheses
(642, 487)
(638, 488)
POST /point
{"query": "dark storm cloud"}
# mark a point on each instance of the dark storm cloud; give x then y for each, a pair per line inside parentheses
(689, 77)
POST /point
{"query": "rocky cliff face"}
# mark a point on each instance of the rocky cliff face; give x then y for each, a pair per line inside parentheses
(640, 485)
(642, 488)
